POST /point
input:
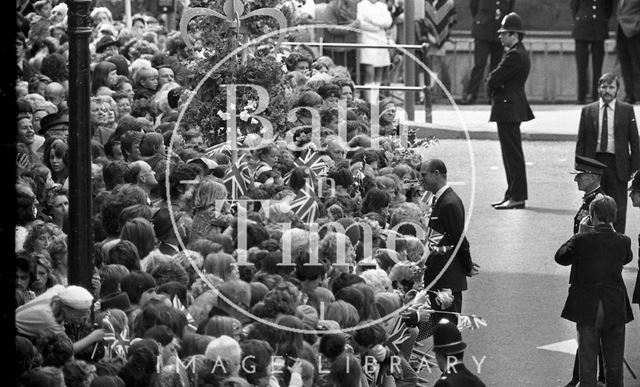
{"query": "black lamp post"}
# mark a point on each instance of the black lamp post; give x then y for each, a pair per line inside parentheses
(80, 260)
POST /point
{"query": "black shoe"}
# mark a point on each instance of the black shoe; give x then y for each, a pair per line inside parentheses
(510, 205)
(498, 203)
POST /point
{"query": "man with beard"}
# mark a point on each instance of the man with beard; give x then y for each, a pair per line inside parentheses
(608, 132)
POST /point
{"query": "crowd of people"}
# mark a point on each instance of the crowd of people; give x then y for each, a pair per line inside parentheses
(224, 264)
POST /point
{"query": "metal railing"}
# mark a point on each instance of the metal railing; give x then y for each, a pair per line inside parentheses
(553, 76)
(409, 86)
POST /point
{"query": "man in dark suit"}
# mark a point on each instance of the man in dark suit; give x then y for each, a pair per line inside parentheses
(446, 233)
(628, 47)
(590, 29)
(509, 107)
(449, 349)
(487, 15)
(615, 144)
(597, 300)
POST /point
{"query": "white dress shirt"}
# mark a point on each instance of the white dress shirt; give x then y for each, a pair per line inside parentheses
(611, 145)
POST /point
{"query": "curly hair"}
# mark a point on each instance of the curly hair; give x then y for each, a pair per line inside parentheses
(78, 373)
(292, 60)
(141, 364)
(329, 248)
(170, 271)
(284, 298)
(56, 348)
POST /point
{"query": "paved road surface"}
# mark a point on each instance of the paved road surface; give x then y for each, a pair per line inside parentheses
(521, 290)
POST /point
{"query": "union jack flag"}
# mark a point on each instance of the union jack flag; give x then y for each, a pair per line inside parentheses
(305, 206)
(191, 323)
(470, 322)
(397, 335)
(223, 147)
(116, 344)
(315, 163)
(237, 179)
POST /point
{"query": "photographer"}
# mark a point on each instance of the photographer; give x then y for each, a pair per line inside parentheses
(597, 300)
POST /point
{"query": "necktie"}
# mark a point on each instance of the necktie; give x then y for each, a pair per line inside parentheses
(604, 136)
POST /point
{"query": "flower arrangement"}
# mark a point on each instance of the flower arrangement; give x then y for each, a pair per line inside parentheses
(254, 66)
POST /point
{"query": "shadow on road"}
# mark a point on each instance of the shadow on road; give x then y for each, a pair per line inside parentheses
(553, 211)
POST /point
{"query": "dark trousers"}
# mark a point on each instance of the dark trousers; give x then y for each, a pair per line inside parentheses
(582, 61)
(590, 339)
(576, 368)
(456, 306)
(614, 187)
(513, 160)
(629, 57)
(483, 49)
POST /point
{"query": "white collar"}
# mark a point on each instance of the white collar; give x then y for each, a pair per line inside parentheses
(612, 104)
(441, 191)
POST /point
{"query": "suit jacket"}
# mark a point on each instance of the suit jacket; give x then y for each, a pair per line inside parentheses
(628, 16)
(625, 135)
(487, 16)
(591, 19)
(461, 377)
(596, 260)
(447, 219)
(506, 83)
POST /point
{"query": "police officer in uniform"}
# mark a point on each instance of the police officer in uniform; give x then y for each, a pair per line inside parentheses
(590, 29)
(588, 173)
(487, 16)
(449, 349)
(509, 107)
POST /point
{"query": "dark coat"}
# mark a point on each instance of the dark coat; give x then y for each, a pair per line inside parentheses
(487, 17)
(625, 135)
(461, 377)
(596, 258)
(447, 219)
(636, 290)
(506, 82)
(591, 19)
